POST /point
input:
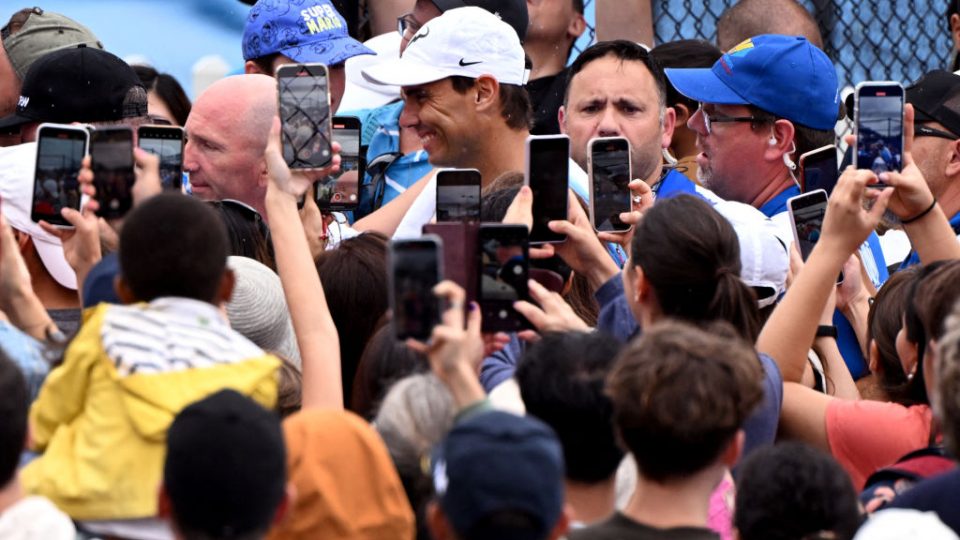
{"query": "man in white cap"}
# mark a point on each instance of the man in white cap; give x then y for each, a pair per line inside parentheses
(462, 78)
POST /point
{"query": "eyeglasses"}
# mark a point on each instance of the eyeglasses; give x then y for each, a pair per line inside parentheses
(407, 23)
(709, 120)
(924, 131)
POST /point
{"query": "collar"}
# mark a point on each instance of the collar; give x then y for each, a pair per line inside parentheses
(778, 204)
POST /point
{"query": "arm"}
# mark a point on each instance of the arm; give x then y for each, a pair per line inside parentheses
(316, 333)
(17, 299)
(625, 19)
(791, 328)
(386, 219)
(929, 231)
(803, 416)
(454, 351)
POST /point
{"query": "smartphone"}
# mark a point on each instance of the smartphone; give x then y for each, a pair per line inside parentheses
(504, 270)
(819, 169)
(304, 95)
(806, 215)
(340, 191)
(111, 155)
(609, 171)
(60, 151)
(166, 142)
(415, 268)
(547, 174)
(458, 195)
(878, 125)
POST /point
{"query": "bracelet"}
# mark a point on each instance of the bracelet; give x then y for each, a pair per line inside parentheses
(921, 214)
(825, 330)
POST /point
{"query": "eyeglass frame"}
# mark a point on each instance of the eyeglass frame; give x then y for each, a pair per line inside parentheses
(709, 119)
(920, 130)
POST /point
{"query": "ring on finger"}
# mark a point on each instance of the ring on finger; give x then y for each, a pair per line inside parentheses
(637, 199)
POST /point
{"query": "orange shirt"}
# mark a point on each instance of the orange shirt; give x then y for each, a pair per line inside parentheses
(867, 435)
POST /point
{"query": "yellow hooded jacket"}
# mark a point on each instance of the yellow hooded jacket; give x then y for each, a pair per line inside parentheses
(101, 417)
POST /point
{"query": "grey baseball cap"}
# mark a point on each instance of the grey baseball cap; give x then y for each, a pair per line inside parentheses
(33, 33)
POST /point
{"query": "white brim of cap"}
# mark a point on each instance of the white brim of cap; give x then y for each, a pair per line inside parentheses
(405, 72)
(55, 262)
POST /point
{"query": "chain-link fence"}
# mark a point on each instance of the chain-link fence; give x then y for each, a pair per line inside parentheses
(867, 39)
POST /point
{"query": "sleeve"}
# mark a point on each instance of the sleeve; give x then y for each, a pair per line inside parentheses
(64, 391)
(615, 317)
(500, 365)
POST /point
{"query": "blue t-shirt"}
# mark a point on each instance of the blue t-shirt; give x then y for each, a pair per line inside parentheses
(380, 133)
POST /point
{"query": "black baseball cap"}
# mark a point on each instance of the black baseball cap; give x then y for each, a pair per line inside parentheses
(512, 12)
(80, 84)
(225, 470)
(936, 98)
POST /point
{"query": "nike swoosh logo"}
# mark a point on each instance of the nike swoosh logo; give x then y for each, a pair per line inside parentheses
(465, 64)
(418, 36)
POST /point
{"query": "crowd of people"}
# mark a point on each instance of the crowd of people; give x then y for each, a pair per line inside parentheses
(220, 362)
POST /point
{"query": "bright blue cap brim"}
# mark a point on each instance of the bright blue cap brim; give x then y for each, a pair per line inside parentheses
(330, 52)
(703, 85)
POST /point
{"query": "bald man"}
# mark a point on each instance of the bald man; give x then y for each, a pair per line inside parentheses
(748, 18)
(227, 133)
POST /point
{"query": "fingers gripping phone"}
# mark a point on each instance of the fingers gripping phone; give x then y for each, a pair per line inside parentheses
(304, 96)
(415, 268)
(111, 154)
(340, 191)
(60, 151)
(458, 195)
(806, 215)
(547, 174)
(819, 169)
(165, 142)
(504, 271)
(609, 166)
(878, 125)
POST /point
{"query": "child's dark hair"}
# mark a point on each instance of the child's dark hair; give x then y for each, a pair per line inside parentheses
(173, 245)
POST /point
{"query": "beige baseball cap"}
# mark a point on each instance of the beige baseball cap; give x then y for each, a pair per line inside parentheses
(32, 33)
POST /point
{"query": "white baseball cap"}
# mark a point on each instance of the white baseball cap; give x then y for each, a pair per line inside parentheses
(17, 164)
(764, 259)
(467, 42)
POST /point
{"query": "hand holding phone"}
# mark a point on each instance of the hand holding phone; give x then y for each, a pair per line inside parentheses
(60, 152)
(166, 142)
(879, 126)
(609, 173)
(303, 91)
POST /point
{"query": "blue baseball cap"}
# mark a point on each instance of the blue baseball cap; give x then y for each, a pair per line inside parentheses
(783, 75)
(303, 30)
(497, 461)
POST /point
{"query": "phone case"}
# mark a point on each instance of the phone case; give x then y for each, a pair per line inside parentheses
(459, 253)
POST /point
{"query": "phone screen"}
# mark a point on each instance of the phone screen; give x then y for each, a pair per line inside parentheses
(458, 195)
(807, 213)
(59, 154)
(547, 175)
(304, 115)
(880, 127)
(415, 266)
(610, 179)
(340, 191)
(820, 170)
(504, 270)
(111, 153)
(166, 143)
